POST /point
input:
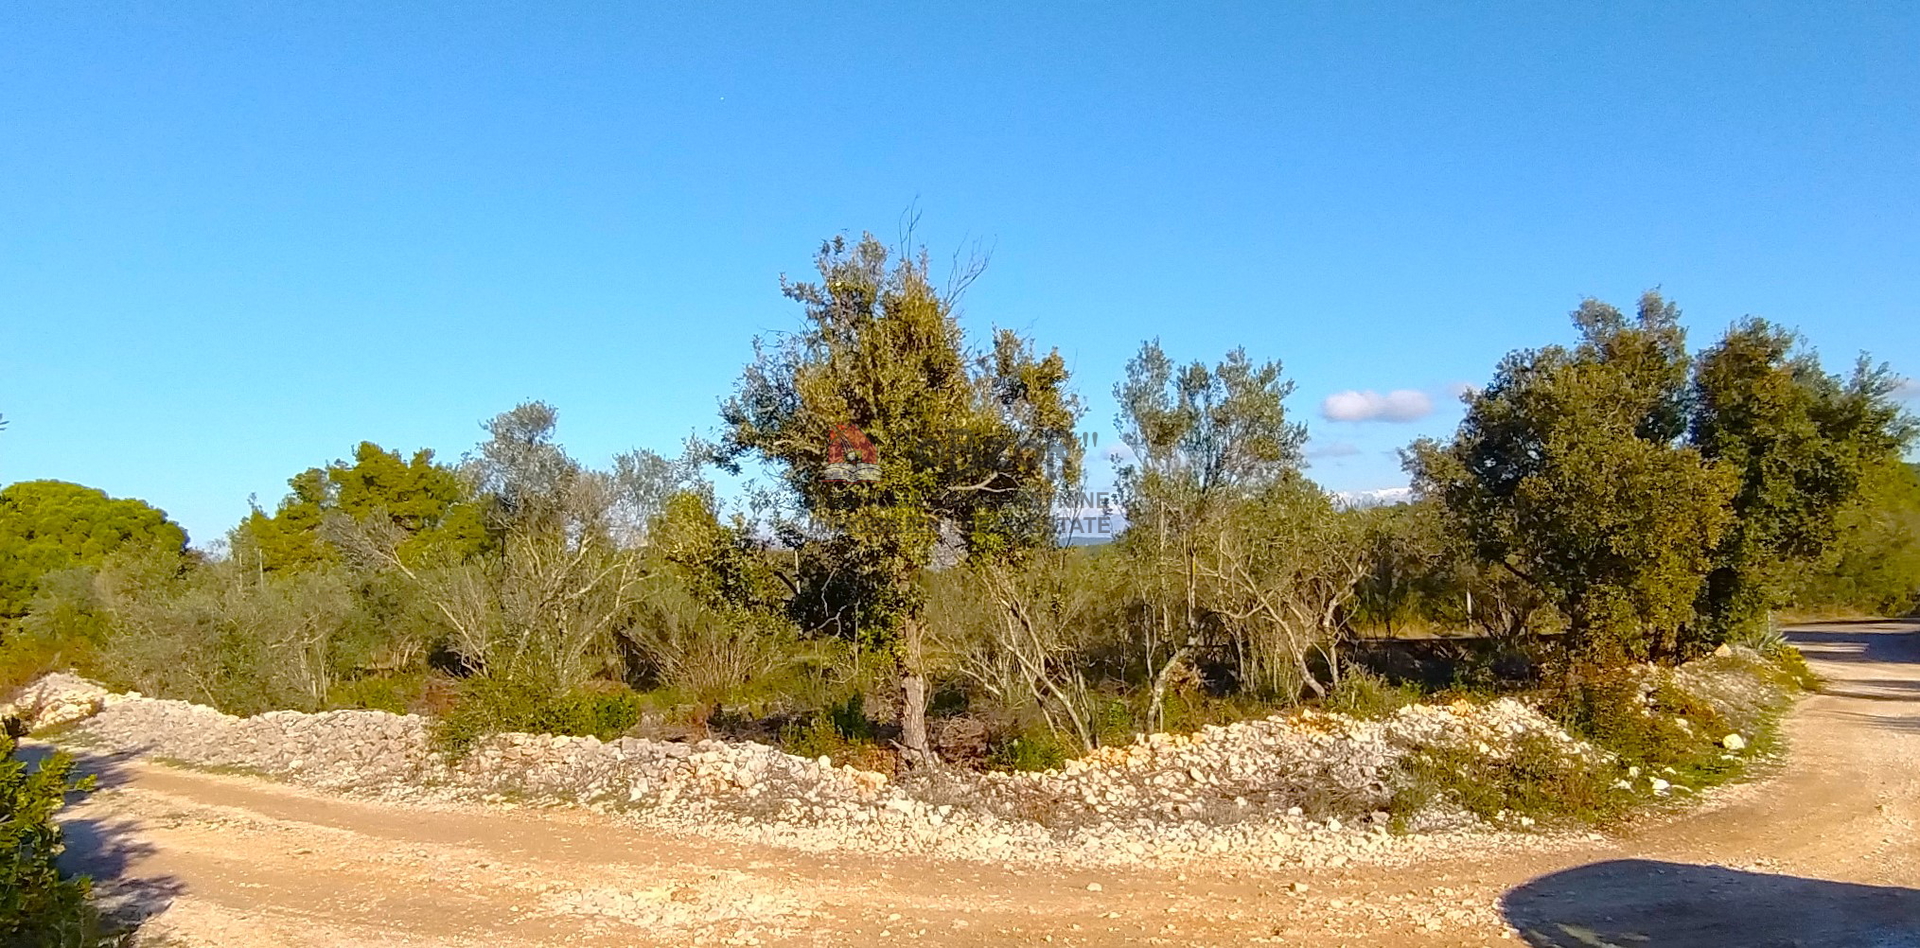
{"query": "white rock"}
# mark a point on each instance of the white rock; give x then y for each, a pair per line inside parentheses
(1733, 742)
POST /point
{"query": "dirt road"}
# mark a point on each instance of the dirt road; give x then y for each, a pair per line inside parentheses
(1822, 853)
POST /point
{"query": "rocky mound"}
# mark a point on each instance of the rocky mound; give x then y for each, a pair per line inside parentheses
(1308, 787)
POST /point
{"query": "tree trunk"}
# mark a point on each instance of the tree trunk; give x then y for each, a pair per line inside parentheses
(913, 695)
(1306, 674)
(1156, 709)
(913, 719)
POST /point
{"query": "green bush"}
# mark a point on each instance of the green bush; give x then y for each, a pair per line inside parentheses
(493, 705)
(1364, 694)
(1608, 710)
(611, 714)
(24, 658)
(1536, 778)
(843, 734)
(38, 907)
(1031, 749)
(814, 737)
(395, 693)
(1788, 668)
(1192, 711)
(1637, 720)
(849, 719)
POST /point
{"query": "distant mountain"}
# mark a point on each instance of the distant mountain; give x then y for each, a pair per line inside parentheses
(1379, 497)
(1089, 541)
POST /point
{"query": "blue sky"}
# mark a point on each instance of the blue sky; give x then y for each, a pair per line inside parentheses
(237, 239)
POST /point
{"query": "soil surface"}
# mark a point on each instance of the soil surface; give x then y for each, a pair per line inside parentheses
(1821, 852)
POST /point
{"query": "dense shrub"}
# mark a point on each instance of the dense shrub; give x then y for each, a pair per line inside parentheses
(494, 705)
(1638, 718)
(394, 693)
(849, 718)
(1030, 749)
(843, 733)
(38, 907)
(24, 658)
(1363, 694)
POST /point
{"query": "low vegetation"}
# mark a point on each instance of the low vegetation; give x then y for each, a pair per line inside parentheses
(1656, 732)
(39, 907)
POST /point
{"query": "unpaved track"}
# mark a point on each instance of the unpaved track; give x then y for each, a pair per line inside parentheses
(1822, 853)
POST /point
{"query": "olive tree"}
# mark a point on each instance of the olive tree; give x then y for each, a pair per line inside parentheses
(542, 605)
(1204, 439)
(971, 444)
(1281, 568)
(1029, 633)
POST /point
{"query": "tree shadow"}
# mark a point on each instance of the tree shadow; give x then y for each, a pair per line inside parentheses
(1879, 641)
(1639, 903)
(108, 851)
(1874, 689)
(1907, 723)
(1892, 649)
(1896, 622)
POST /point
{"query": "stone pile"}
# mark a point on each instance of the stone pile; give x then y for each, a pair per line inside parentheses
(1226, 773)
(1309, 787)
(57, 699)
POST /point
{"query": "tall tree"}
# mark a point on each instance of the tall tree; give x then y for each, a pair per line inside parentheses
(1803, 443)
(429, 502)
(53, 525)
(1567, 472)
(970, 445)
(1875, 563)
(1203, 440)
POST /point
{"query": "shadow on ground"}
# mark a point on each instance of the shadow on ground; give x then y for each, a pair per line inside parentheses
(1638, 903)
(106, 850)
(1883, 643)
(1874, 640)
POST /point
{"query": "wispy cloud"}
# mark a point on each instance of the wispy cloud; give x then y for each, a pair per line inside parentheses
(1907, 389)
(1332, 449)
(1399, 405)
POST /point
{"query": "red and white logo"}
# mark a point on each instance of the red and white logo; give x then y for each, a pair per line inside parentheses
(851, 456)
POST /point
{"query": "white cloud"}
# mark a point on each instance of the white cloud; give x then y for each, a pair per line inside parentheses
(1401, 404)
(1907, 389)
(1459, 389)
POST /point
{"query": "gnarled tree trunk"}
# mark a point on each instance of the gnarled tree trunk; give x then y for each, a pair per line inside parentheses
(914, 745)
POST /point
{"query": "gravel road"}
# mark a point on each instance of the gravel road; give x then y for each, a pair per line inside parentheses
(1823, 852)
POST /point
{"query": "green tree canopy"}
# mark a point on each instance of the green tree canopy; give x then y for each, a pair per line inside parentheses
(1874, 564)
(970, 444)
(1205, 440)
(53, 525)
(1803, 443)
(1567, 472)
(431, 502)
